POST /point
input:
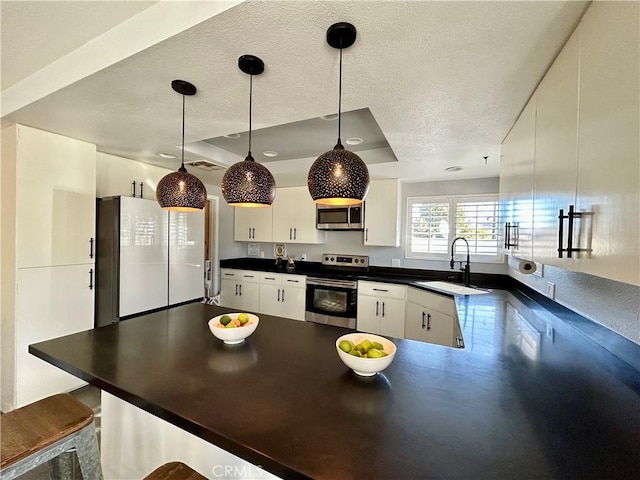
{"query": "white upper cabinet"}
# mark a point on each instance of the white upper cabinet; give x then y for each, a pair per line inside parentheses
(556, 160)
(382, 214)
(126, 177)
(516, 184)
(294, 217)
(253, 224)
(609, 141)
(55, 199)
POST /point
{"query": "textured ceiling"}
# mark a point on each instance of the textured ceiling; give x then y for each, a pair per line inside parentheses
(444, 80)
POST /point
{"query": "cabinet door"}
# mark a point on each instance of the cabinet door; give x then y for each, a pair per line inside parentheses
(249, 294)
(114, 176)
(428, 326)
(253, 224)
(51, 302)
(229, 296)
(382, 214)
(392, 317)
(516, 184)
(55, 199)
(283, 215)
(186, 256)
(368, 319)
(556, 152)
(304, 226)
(270, 299)
(147, 178)
(143, 256)
(293, 303)
(609, 145)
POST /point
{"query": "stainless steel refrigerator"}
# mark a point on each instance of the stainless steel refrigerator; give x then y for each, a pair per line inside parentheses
(146, 258)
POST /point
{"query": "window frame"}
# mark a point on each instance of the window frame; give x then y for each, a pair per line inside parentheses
(453, 201)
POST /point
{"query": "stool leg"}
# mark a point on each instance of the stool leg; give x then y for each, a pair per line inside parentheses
(89, 453)
(62, 466)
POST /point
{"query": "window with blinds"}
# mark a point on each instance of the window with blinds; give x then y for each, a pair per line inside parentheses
(433, 223)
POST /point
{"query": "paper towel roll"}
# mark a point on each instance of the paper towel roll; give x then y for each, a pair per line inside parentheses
(526, 267)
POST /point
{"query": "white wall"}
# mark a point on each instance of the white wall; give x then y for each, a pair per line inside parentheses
(351, 242)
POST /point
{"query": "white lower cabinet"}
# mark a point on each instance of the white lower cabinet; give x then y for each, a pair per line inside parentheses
(430, 318)
(240, 289)
(381, 308)
(51, 302)
(283, 295)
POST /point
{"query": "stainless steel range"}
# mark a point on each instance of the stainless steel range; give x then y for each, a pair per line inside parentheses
(333, 298)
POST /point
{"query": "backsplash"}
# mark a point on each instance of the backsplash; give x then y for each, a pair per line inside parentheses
(615, 305)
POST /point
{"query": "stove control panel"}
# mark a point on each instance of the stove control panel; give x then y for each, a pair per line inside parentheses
(341, 260)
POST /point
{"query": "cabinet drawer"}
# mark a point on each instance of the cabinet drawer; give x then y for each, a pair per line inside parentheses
(294, 281)
(382, 290)
(434, 301)
(271, 278)
(240, 275)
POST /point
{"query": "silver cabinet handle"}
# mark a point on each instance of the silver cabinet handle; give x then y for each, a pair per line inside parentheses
(295, 233)
(91, 279)
(428, 321)
(141, 185)
(366, 234)
(290, 233)
(254, 233)
(293, 281)
(91, 247)
(383, 309)
(380, 290)
(236, 289)
(278, 294)
(423, 318)
(283, 294)
(269, 278)
(229, 274)
(133, 189)
(240, 288)
(377, 310)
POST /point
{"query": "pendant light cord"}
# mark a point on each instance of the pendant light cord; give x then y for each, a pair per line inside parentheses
(183, 103)
(250, 109)
(340, 98)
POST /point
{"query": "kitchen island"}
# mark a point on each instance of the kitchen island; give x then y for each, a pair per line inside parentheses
(516, 403)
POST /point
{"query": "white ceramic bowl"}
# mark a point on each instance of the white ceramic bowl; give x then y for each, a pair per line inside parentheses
(232, 336)
(366, 367)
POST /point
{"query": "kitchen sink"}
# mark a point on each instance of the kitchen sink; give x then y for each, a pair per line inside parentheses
(453, 288)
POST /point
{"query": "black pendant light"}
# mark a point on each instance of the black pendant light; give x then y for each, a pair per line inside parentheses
(248, 183)
(180, 191)
(339, 177)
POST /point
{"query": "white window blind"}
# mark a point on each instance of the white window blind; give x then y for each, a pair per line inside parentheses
(433, 223)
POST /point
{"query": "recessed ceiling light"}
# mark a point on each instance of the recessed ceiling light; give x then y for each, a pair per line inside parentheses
(166, 155)
(354, 141)
(332, 116)
(232, 135)
(270, 153)
(453, 169)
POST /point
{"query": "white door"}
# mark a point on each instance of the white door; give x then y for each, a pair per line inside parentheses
(115, 176)
(392, 317)
(186, 256)
(143, 256)
(55, 199)
(51, 302)
(382, 214)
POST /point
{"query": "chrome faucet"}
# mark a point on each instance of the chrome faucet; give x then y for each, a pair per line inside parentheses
(466, 271)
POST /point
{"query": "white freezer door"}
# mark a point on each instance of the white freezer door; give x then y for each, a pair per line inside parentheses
(186, 256)
(143, 256)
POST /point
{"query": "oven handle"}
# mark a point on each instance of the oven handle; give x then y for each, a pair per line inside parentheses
(323, 282)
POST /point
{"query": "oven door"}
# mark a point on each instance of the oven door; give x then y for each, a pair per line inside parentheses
(333, 302)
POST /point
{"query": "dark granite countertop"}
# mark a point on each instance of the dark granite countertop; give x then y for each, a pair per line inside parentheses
(528, 398)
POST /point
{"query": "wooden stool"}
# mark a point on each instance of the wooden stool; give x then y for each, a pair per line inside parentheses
(39, 432)
(174, 471)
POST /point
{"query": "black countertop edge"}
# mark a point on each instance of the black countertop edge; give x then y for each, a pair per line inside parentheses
(246, 453)
(621, 347)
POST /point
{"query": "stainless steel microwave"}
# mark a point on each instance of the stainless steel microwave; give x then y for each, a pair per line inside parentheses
(331, 217)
